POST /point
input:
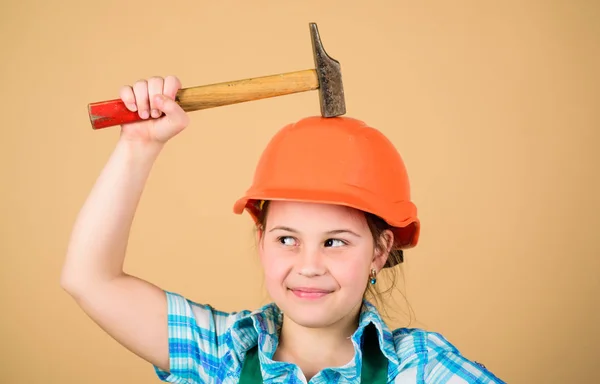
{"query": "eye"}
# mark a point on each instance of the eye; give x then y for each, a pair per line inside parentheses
(286, 240)
(334, 242)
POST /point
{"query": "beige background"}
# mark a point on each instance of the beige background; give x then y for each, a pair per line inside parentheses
(493, 105)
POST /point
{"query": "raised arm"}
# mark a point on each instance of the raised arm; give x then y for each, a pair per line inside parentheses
(131, 310)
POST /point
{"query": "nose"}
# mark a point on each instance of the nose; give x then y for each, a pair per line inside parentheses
(311, 262)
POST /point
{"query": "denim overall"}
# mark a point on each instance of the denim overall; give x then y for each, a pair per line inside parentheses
(374, 367)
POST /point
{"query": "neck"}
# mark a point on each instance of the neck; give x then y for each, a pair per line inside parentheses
(314, 349)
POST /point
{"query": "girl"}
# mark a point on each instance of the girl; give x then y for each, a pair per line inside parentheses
(331, 203)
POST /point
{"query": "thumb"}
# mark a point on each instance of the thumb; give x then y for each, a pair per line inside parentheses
(167, 105)
(175, 114)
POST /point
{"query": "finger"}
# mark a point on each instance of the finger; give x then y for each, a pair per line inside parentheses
(171, 87)
(140, 89)
(127, 96)
(175, 115)
(155, 87)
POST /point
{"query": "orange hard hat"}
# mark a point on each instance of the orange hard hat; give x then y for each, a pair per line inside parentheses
(337, 160)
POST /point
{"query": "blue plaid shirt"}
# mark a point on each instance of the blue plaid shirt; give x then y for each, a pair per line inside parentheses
(208, 346)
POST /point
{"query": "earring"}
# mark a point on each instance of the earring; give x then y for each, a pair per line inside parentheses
(373, 276)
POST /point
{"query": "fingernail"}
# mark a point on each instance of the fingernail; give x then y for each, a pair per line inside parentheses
(132, 107)
(155, 113)
(144, 114)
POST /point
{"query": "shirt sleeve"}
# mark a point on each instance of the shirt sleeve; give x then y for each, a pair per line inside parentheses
(446, 365)
(195, 340)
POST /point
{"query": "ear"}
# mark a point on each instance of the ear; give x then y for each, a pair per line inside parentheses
(259, 235)
(382, 249)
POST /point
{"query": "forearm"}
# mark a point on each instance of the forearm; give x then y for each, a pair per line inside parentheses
(98, 243)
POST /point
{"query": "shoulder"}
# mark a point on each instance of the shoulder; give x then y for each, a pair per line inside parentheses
(186, 312)
(183, 311)
(432, 358)
(205, 342)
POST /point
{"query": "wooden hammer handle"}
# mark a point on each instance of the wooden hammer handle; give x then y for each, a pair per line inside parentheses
(114, 112)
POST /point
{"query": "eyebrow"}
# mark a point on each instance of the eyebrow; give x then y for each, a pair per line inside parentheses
(332, 232)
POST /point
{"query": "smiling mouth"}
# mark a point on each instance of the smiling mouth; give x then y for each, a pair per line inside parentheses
(309, 293)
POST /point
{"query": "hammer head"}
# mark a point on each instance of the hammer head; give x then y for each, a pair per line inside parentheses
(329, 74)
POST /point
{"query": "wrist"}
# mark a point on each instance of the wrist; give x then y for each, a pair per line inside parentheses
(139, 147)
(139, 151)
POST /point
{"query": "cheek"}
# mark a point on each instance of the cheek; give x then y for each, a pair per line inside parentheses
(352, 270)
(350, 274)
(275, 265)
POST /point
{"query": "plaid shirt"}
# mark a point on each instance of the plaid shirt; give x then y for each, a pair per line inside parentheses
(208, 346)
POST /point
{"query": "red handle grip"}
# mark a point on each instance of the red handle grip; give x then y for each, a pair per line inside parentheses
(109, 113)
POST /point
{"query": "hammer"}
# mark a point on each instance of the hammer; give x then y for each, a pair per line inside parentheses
(326, 77)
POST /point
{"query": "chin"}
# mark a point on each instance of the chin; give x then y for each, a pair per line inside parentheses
(313, 312)
(312, 318)
(312, 322)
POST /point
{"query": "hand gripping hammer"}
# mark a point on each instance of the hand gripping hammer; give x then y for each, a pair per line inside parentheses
(326, 77)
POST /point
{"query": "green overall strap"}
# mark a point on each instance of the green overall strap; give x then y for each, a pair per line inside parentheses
(375, 364)
(251, 373)
(374, 369)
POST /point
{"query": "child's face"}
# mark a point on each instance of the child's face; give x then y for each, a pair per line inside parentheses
(317, 259)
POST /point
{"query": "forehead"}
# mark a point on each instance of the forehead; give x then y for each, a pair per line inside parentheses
(314, 215)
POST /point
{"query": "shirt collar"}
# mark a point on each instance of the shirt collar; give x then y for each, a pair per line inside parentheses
(262, 326)
(370, 315)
